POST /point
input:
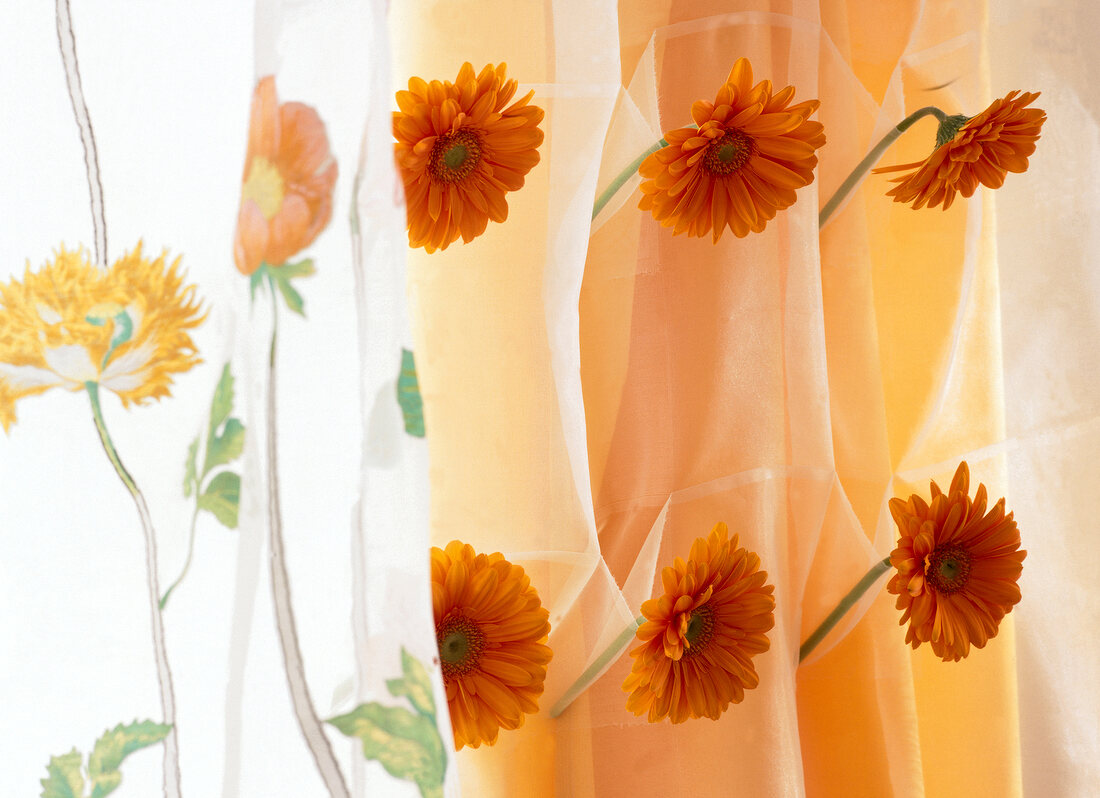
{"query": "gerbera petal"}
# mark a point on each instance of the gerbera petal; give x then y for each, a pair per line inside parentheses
(480, 151)
(775, 173)
(701, 662)
(491, 629)
(983, 150)
(741, 75)
(962, 575)
(738, 167)
(785, 148)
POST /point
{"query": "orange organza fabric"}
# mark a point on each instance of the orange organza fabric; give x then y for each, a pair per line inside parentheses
(786, 384)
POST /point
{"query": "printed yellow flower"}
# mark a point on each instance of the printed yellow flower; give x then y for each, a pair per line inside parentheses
(491, 629)
(699, 638)
(957, 567)
(71, 323)
(741, 164)
(460, 151)
(971, 151)
(289, 175)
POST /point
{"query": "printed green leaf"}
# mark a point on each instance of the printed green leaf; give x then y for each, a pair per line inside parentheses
(190, 477)
(416, 685)
(293, 299)
(115, 745)
(407, 745)
(64, 779)
(255, 279)
(222, 497)
(226, 447)
(222, 404)
(408, 396)
(291, 271)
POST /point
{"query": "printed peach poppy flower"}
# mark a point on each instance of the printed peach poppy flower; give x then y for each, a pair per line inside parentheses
(71, 323)
(289, 176)
(699, 638)
(957, 567)
(460, 150)
(491, 629)
(969, 152)
(750, 151)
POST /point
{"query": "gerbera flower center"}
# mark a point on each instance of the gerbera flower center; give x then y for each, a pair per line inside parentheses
(700, 630)
(455, 155)
(948, 568)
(727, 154)
(264, 186)
(461, 642)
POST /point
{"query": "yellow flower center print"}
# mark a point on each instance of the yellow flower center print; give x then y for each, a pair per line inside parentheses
(264, 186)
(70, 323)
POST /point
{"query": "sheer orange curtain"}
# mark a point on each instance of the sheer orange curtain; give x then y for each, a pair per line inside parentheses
(787, 384)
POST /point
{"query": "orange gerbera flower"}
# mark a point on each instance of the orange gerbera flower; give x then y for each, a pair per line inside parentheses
(957, 567)
(743, 163)
(699, 638)
(491, 629)
(972, 151)
(289, 175)
(460, 151)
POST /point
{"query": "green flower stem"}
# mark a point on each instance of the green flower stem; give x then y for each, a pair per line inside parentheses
(846, 603)
(624, 638)
(164, 672)
(623, 176)
(187, 562)
(834, 202)
(606, 658)
(876, 152)
(300, 697)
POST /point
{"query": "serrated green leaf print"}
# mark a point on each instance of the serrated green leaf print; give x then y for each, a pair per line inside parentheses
(293, 299)
(222, 404)
(408, 396)
(64, 779)
(416, 685)
(190, 476)
(255, 279)
(406, 744)
(115, 745)
(224, 448)
(291, 271)
(280, 276)
(222, 497)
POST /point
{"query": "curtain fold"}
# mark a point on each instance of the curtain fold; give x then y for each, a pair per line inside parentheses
(584, 392)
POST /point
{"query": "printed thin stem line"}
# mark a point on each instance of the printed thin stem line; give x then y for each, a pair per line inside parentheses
(846, 603)
(164, 672)
(857, 175)
(67, 43)
(308, 721)
(359, 609)
(610, 654)
(187, 562)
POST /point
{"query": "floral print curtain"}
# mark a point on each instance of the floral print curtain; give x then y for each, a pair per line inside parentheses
(379, 422)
